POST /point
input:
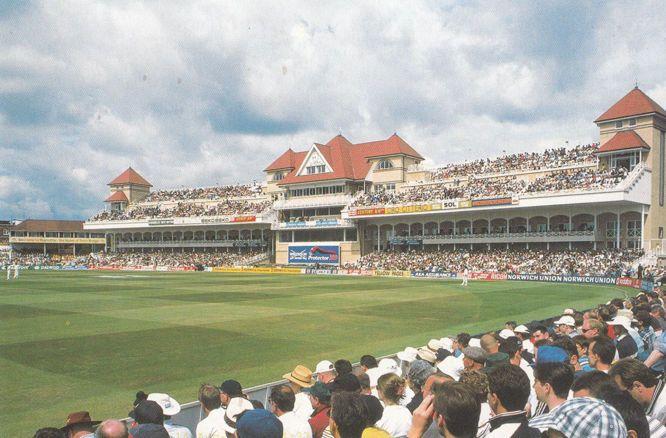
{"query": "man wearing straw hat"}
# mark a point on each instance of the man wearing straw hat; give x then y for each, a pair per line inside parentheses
(299, 378)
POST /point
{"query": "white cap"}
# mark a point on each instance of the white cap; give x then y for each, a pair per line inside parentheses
(168, 404)
(446, 343)
(324, 366)
(522, 329)
(451, 366)
(408, 354)
(475, 342)
(236, 406)
(506, 334)
(568, 312)
(388, 365)
(566, 320)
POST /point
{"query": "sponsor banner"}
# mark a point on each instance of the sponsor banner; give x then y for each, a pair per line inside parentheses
(74, 268)
(629, 282)
(491, 202)
(244, 219)
(311, 254)
(392, 273)
(319, 271)
(366, 211)
(400, 209)
(364, 272)
(256, 270)
(316, 223)
(153, 222)
(562, 278)
(426, 274)
(486, 276)
(215, 220)
(63, 240)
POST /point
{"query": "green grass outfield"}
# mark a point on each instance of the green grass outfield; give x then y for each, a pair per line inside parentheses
(89, 340)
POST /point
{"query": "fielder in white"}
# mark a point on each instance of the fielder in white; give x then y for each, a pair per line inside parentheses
(13, 268)
(465, 274)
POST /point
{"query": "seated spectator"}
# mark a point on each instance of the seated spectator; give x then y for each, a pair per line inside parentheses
(348, 415)
(552, 382)
(601, 353)
(342, 366)
(114, 429)
(478, 383)
(49, 432)
(633, 376)
(374, 410)
(625, 344)
(79, 425)
(396, 419)
(587, 384)
(418, 373)
(566, 326)
(584, 417)
(325, 371)
(582, 345)
(228, 390)
(149, 421)
(540, 332)
(213, 425)
(299, 378)
(258, 423)
(508, 391)
(235, 409)
(282, 401)
(364, 381)
(320, 400)
(474, 358)
(170, 407)
(632, 414)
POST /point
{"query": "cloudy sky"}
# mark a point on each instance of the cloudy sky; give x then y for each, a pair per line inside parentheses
(205, 92)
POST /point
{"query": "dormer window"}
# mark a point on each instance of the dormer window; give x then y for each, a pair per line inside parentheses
(385, 164)
(632, 122)
(618, 124)
(278, 176)
(311, 170)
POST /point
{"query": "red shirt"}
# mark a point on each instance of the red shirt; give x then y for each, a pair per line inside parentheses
(319, 420)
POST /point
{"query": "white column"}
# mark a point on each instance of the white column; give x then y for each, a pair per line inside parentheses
(617, 232)
(596, 232)
(642, 225)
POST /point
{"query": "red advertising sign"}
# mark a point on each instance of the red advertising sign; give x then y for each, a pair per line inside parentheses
(244, 219)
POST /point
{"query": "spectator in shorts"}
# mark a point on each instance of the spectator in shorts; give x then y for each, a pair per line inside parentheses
(281, 401)
(508, 391)
(633, 376)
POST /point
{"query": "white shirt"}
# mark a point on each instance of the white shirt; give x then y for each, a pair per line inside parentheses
(484, 420)
(396, 420)
(407, 396)
(212, 425)
(293, 426)
(176, 431)
(302, 406)
(528, 346)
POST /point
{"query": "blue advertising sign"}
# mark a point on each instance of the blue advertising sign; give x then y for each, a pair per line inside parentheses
(324, 255)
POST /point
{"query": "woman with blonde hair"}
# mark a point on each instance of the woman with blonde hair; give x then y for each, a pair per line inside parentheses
(396, 419)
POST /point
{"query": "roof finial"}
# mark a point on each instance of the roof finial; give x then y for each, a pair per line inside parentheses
(636, 83)
(340, 132)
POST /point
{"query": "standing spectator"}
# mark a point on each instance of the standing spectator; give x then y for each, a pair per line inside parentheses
(320, 399)
(601, 353)
(508, 391)
(396, 419)
(79, 425)
(213, 425)
(633, 376)
(299, 378)
(348, 415)
(170, 407)
(552, 382)
(282, 401)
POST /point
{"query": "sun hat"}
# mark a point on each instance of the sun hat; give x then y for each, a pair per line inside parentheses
(168, 404)
(388, 365)
(566, 320)
(506, 333)
(408, 354)
(474, 342)
(427, 355)
(522, 329)
(446, 343)
(434, 345)
(301, 375)
(324, 366)
(583, 417)
(80, 417)
(319, 390)
(451, 366)
(259, 423)
(626, 313)
(621, 320)
(477, 354)
(236, 406)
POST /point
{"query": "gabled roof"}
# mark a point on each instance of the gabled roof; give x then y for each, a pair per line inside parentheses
(49, 225)
(118, 196)
(348, 161)
(623, 140)
(634, 103)
(130, 176)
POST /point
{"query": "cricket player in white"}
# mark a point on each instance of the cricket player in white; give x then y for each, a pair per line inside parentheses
(16, 272)
(465, 274)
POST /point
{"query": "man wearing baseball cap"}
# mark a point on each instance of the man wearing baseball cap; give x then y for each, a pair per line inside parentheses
(566, 325)
(325, 371)
(320, 398)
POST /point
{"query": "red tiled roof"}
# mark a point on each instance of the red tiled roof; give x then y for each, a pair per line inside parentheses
(49, 225)
(118, 196)
(347, 160)
(623, 140)
(633, 103)
(130, 176)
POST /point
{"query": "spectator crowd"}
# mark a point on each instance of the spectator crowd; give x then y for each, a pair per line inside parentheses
(582, 374)
(208, 193)
(514, 261)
